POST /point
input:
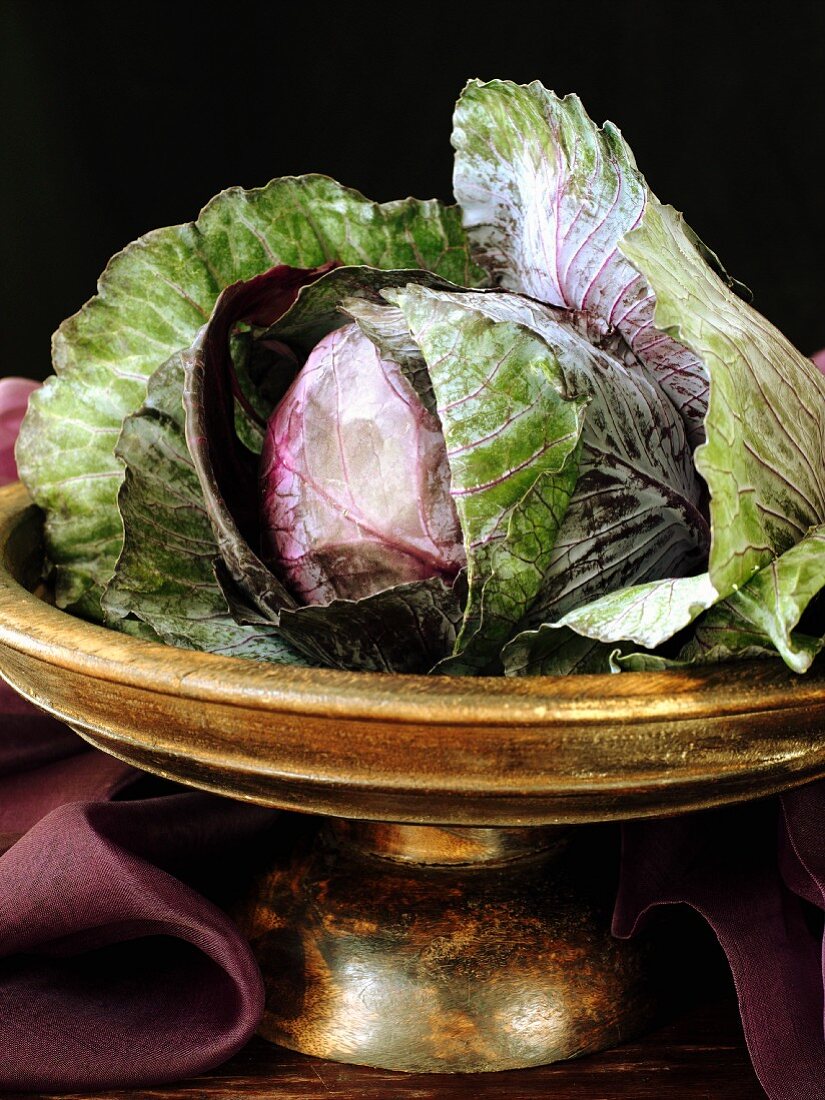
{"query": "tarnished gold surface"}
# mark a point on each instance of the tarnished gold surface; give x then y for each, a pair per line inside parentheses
(446, 846)
(409, 963)
(440, 750)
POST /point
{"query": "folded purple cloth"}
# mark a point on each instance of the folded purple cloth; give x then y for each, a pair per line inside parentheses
(113, 970)
(755, 873)
(14, 400)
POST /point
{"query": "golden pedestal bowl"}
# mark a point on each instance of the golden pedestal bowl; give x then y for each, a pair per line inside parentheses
(435, 917)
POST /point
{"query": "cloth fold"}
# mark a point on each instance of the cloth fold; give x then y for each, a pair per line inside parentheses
(114, 971)
(754, 873)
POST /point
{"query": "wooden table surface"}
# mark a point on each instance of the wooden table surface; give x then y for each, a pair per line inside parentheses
(700, 1055)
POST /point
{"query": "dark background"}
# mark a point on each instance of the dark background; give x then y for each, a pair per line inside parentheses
(121, 117)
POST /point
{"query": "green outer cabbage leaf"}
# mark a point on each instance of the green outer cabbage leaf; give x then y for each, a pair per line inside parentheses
(152, 299)
(647, 614)
(547, 196)
(777, 597)
(637, 510)
(760, 619)
(763, 462)
(557, 209)
(556, 651)
(165, 575)
(512, 430)
(764, 459)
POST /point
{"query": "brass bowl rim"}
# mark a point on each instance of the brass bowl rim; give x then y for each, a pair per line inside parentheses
(33, 627)
(489, 751)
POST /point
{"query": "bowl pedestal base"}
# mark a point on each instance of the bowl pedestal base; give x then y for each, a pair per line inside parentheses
(444, 949)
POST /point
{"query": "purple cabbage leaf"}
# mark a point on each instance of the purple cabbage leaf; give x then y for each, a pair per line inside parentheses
(547, 196)
(403, 617)
(356, 489)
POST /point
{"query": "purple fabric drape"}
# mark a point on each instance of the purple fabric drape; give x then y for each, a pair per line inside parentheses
(114, 971)
(14, 399)
(754, 873)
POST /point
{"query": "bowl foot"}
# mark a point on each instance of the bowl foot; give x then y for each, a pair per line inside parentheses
(432, 949)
